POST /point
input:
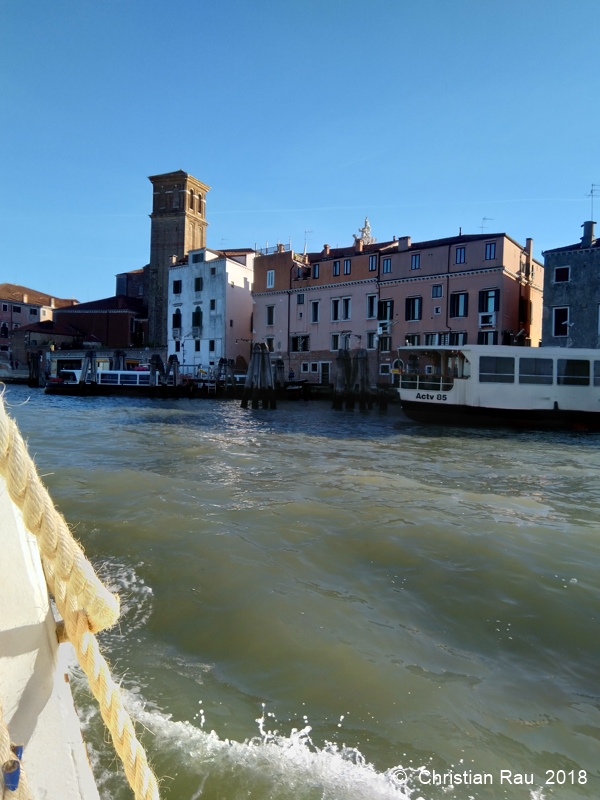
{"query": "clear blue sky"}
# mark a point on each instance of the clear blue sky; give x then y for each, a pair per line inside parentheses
(302, 116)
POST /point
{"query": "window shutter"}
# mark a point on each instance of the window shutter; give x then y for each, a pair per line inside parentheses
(466, 314)
(495, 337)
(481, 304)
(496, 301)
(407, 308)
(480, 335)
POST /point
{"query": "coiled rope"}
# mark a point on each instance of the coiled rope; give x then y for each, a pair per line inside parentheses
(83, 601)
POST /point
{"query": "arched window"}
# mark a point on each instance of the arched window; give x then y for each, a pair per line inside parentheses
(398, 364)
(177, 319)
(197, 317)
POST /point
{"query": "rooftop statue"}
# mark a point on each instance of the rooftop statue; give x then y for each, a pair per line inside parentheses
(365, 233)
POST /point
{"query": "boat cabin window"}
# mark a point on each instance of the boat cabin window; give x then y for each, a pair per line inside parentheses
(596, 373)
(572, 372)
(536, 370)
(496, 369)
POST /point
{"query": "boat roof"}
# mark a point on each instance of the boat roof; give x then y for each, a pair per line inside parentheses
(507, 350)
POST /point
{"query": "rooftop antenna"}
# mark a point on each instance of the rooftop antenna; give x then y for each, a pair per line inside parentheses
(484, 220)
(305, 240)
(593, 193)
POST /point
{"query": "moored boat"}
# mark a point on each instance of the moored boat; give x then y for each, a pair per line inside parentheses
(490, 385)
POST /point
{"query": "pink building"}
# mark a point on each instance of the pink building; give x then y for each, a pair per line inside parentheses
(483, 288)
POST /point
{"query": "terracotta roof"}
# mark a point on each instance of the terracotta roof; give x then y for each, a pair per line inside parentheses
(14, 293)
(49, 326)
(119, 302)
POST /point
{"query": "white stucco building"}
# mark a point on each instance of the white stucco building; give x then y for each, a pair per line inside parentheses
(210, 307)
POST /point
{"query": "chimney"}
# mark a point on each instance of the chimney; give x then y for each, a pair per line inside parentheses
(173, 259)
(403, 243)
(52, 302)
(589, 238)
(394, 239)
(25, 298)
(280, 248)
(358, 245)
(326, 249)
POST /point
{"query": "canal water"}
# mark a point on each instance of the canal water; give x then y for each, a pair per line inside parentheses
(326, 605)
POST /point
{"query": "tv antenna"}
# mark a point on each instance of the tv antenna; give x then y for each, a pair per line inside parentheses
(593, 193)
(484, 220)
(306, 239)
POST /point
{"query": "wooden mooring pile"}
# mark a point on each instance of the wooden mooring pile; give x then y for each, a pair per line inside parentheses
(259, 386)
(352, 382)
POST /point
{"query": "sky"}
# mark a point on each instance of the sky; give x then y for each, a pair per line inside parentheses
(303, 117)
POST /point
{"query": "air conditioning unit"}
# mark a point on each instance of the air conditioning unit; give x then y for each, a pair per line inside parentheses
(487, 320)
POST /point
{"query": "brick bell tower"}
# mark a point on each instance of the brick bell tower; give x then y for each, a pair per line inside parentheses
(178, 226)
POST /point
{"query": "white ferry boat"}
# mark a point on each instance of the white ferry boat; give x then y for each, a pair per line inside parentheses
(487, 385)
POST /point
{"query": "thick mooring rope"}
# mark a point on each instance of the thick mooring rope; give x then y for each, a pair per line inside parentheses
(82, 600)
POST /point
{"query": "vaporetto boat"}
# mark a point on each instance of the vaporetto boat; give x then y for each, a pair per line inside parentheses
(482, 385)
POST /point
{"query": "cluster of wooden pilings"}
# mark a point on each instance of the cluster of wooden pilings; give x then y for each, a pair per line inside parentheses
(259, 386)
(352, 382)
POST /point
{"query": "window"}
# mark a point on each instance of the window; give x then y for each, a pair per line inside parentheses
(457, 338)
(198, 284)
(412, 339)
(231, 323)
(460, 255)
(335, 309)
(270, 315)
(33, 312)
(371, 340)
(490, 251)
(560, 321)
(270, 340)
(385, 343)
(314, 366)
(177, 319)
(437, 290)
(415, 261)
(572, 372)
(197, 345)
(489, 300)
(335, 341)
(176, 288)
(299, 344)
(562, 274)
(372, 263)
(387, 265)
(197, 258)
(197, 317)
(211, 345)
(304, 366)
(17, 309)
(346, 309)
(4, 331)
(177, 346)
(300, 299)
(535, 370)
(384, 369)
(4, 306)
(487, 337)
(496, 369)
(413, 309)
(347, 266)
(385, 310)
(437, 310)
(315, 271)
(336, 268)
(459, 304)
(213, 304)
(314, 311)
(213, 270)
(371, 306)
(270, 278)
(596, 373)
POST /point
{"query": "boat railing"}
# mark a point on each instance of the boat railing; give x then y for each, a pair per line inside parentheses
(431, 383)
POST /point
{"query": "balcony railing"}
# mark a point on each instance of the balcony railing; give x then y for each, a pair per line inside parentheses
(430, 383)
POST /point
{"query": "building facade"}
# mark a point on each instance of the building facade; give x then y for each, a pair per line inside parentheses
(118, 321)
(210, 307)
(483, 288)
(178, 225)
(21, 306)
(571, 316)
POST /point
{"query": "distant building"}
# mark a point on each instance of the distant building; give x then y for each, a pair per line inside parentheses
(20, 306)
(479, 288)
(210, 307)
(116, 322)
(133, 284)
(572, 293)
(47, 336)
(178, 225)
